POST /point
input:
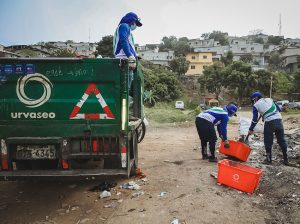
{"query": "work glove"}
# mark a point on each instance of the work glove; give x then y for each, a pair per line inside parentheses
(226, 144)
(132, 62)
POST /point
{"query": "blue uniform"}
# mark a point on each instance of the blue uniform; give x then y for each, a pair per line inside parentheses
(217, 116)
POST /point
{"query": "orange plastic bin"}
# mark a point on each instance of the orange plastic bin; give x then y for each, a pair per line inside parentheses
(238, 150)
(239, 176)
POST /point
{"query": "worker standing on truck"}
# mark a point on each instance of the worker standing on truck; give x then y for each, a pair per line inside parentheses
(123, 43)
(205, 122)
(270, 113)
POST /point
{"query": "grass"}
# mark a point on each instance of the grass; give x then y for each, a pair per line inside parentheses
(292, 111)
(166, 113)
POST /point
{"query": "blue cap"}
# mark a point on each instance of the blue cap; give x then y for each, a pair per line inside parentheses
(255, 94)
(131, 17)
(231, 109)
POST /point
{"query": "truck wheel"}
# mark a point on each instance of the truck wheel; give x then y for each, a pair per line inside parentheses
(134, 168)
(141, 131)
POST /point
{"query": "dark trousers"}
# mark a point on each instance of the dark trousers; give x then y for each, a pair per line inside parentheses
(207, 134)
(271, 127)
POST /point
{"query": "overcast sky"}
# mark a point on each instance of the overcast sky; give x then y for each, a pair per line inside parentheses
(31, 21)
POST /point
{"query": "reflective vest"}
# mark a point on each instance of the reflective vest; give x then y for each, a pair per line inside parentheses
(121, 53)
(267, 109)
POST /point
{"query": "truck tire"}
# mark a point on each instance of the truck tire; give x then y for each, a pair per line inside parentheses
(134, 168)
(141, 131)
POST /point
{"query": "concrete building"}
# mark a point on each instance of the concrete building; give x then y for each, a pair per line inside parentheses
(147, 47)
(27, 51)
(291, 59)
(81, 49)
(198, 62)
(195, 43)
(293, 42)
(157, 57)
(7, 54)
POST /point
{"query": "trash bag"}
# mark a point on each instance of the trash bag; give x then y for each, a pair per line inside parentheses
(244, 126)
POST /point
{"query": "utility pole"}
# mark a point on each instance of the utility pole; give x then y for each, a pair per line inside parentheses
(89, 35)
(271, 85)
(279, 25)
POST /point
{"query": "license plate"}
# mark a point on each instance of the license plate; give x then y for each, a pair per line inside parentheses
(36, 152)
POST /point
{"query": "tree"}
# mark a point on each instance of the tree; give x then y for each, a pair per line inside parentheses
(264, 81)
(219, 36)
(297, 81)
(228, 59)
(258, 40)
(285, 83)
(182, 46)
(163, 83)
(275, 61)
(179, 46)
(168, 43)
(64, 53)
(275, 40)
(238, 78)
(179, 65)
(105, 46)
(213, 78)
(248, 58)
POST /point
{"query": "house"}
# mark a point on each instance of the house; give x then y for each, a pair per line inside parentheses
(7, 54)
(27, 51)
(81, 49)
(147, 47)
(198, 62)
(157, 57)
(194, 43)
(291, 59)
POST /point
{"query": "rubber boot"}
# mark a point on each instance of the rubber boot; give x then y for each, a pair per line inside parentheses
(213, 159)
(204, 153)
(268, 160)
(285, 159)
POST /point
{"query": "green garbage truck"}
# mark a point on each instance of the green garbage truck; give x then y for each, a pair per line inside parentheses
(69, 117)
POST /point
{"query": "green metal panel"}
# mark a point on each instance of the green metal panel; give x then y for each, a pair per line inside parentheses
(40, 104)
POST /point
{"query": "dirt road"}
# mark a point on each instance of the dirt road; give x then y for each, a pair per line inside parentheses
(170, 158)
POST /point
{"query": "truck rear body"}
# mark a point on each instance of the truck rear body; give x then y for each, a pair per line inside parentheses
(67, 117)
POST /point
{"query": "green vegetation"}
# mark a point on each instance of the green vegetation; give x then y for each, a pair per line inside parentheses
(64, 53)
(163, 83)
(179, 65)
(105, 46)
(28, 52)
(166, 113)
(276, 40)
(217, 36)
(179, 46)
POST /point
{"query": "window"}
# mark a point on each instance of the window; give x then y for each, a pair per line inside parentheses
(204, 56)
(193, 67)
(196, 42)
(171, 57)
(243, 49)
(252, 48)
(236, 42)
(204, 66)
(193, 57)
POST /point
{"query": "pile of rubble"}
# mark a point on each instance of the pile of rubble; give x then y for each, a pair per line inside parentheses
(280, 185)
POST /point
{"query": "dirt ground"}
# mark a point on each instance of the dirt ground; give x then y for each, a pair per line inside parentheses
(170, 159)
